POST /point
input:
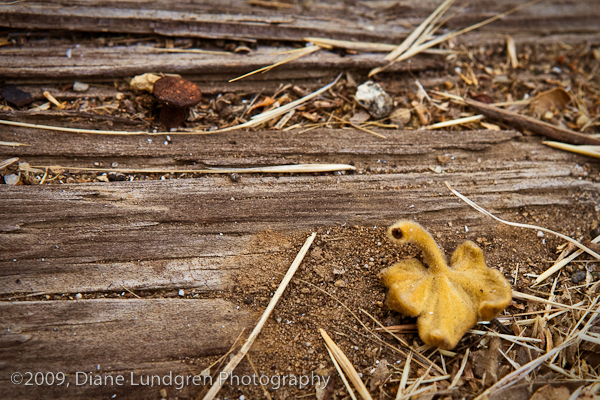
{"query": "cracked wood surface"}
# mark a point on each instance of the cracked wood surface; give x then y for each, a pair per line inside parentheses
(136, 337)
(90, 61)
(201, 233)
(380, 21)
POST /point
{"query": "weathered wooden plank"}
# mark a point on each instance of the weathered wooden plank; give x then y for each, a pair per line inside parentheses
(66, 238)
(113, 337)
(365, 21)
(122, 61)
(167, 235)
(253, 148)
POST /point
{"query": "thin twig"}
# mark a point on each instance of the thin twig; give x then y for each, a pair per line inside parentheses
(556, 267)
(8, 162)
(277, 169)
(346, 366)
(458, 121)
(516, 224)
(532, 124)
(340, 373)
(586, 150)
(460, 371)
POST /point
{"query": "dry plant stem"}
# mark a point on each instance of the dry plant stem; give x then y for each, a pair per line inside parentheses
(523, 296)
(461, 370)
(405, 45)
(535, 227)
(413, 388)
(8, 162)
(559, 265)
(145, 49)
(282, 286)
(453, 122)
(346, 366)
(405, 374)
(413, 50)
(278, 169)
(93, 131)
(301, 53)
(341, 373)
(586, 150)
(520, 373)
(269, 115)
(349, 45)
(532, 124)
(13, 144)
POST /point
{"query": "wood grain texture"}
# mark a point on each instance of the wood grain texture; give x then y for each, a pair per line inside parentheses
(201, 233)
(363, 21)
(118, 337)
(126, 61)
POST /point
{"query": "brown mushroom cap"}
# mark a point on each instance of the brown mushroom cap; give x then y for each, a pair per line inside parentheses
(175, 91)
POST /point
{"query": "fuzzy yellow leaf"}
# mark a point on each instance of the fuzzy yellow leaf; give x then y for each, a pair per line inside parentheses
(448, 300)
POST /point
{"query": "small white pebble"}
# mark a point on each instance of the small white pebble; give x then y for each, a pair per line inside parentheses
(181, 292)
(78, 296)
(466, 228)
(80, 86)
(540, 234)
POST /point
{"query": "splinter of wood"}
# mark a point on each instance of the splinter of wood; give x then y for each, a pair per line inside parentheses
(448, 300)
(532, 124)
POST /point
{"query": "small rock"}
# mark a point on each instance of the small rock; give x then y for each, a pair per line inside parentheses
(578, 276)
(181, 292)
(249, 300)
(12, 179)
(163, 393)
(540, 234)
(78, 296)
(144, 82)
(374, 99)
(15, 96)
(340, 283)
(116, 177)
(80, 86)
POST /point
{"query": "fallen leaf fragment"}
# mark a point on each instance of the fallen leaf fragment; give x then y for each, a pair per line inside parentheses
(448, 300)
(550, 100)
